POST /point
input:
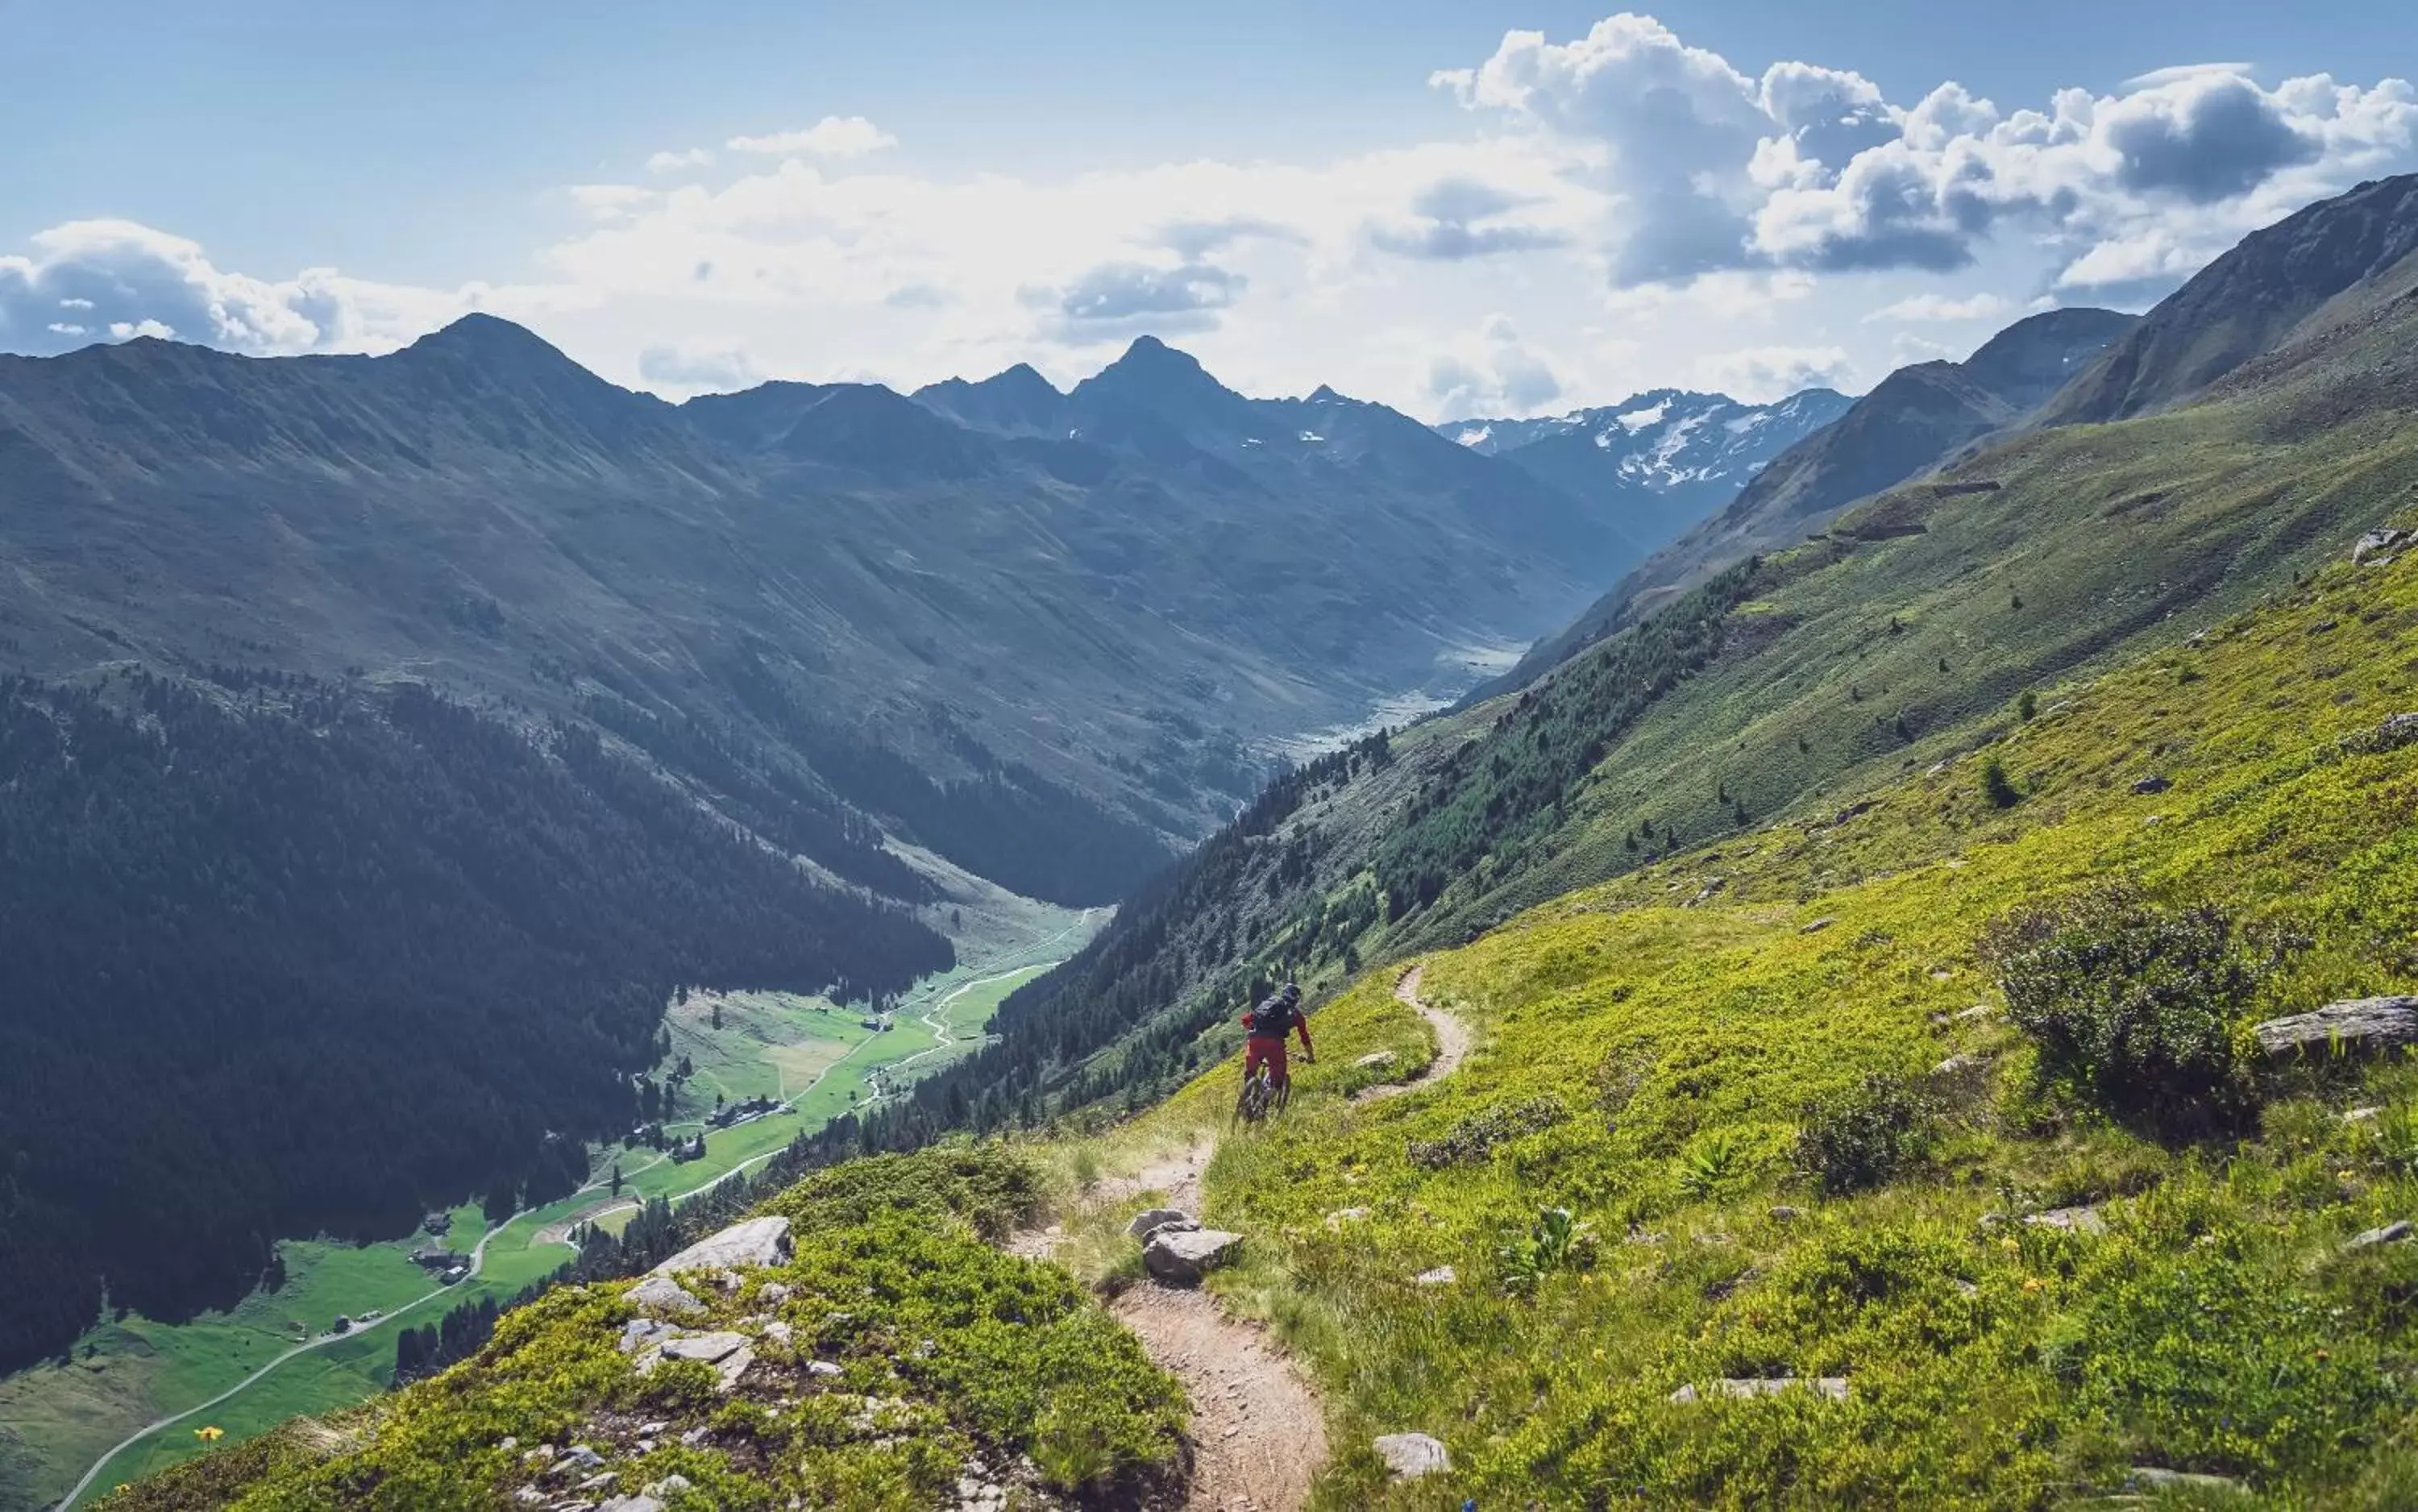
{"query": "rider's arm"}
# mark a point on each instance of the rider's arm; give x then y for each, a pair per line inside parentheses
(1301, 1026)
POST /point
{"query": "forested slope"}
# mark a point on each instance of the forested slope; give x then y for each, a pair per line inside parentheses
(274, 953)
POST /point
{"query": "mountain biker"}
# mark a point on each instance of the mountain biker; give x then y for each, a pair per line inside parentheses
(1266, 1025)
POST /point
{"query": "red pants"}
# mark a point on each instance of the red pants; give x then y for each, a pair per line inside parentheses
(1256, 1051)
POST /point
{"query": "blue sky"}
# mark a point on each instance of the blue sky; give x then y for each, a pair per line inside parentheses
(1288, 190)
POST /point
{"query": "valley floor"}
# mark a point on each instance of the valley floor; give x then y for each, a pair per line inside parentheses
(129, 1401)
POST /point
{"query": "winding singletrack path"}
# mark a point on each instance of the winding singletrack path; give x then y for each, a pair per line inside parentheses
(1259, 1431)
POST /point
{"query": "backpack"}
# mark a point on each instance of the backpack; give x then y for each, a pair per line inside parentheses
(1274, 1017)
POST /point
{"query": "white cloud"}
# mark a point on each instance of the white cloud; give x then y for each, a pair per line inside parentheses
(1809, 166)
(1491, 374)
(833, 136)
(1623, 211)
(1760, 375)
(1939, 307)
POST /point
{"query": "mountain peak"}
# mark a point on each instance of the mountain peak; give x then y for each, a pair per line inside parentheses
(1155, 376)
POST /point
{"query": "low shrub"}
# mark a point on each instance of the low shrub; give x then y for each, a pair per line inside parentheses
(1476, 1136)
(2133, 1006)
(1858, 1138)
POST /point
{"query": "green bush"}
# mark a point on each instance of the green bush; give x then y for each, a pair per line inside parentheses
(1996, 787)
(1858, 1138)
(1473, 1137)
(2132, 1005)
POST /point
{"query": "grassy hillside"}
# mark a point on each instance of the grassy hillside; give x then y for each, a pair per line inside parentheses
(1777, 1085)
(941, 1361)
(1900, 637)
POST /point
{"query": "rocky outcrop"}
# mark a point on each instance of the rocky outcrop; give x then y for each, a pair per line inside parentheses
(757, 1242)
(660, 1296)
(2376, 548)
(2394, 1232)
(1183, 1257)
(1410, 1455)
(2359, 1026)
(2396, 732)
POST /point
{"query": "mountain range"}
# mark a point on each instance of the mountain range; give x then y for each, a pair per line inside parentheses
(1657, 462)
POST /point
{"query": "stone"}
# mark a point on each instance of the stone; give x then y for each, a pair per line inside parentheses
(757, 1242)
(707, 1347)
(2396, 732)
(1833, 1387)
(2377, 545)
(2361, 1115)
(1712, 885)
(1784, 1213)
(2391, 1233)
(660, 1296)
(1182, 1258)
(730, 1367)
(1956, 1065)
(639, 1332)
(1150, 1220)
(2157, 1479)
(1980, 1010)
(777, 1331)
(510, 1440)
(2152, 784)
(670, 1485)
(653, 1429)
(1441, 1276)
(823, 1368)
(529, 1496)
(1376, 1058)
(697, 1435)
(640, 1502)
(2356, 1026)
(1818, 926)
(1340, 1217)
(2079, 1220)
(772, 1292)
(1410, 1455)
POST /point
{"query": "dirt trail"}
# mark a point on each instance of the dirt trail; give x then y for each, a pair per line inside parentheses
(1452, 1041)
(1258, 1434)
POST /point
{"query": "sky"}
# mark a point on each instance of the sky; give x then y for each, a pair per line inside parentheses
(1456, 208)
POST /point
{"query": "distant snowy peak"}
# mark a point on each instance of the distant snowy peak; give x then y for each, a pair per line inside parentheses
(1664, 437)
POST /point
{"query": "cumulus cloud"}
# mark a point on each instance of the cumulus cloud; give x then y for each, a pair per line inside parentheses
(1491, 375)
(672, 163)
(1809, 166)
(1118, 299)
(1940, 306)
(1759, 375)
(1445, 224)
(89, 281)
(833, 136)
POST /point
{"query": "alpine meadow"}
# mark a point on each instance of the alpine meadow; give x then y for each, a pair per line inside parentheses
(1647, 784)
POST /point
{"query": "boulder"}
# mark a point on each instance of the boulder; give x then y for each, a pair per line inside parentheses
(1409, 1455)
(2391, 1233)
(710, 1347)
(2356, 1026)
(1152, 1220)
(2152, 784)
(2158, 1478)
(1376, 1058)
(1833, 1387)
(2396, 732)
(2078, 1220)
(660, 1296)
(640, 1502)
(1181, 1257)
(2377, 546)
(757, 1242)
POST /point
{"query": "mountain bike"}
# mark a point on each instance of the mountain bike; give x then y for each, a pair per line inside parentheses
(1261, 1094)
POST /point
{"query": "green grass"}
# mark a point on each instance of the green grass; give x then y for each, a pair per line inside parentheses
(945, 1357)
(1660, 1053)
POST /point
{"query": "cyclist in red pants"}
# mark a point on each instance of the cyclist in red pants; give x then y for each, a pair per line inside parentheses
(1277, 1015)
